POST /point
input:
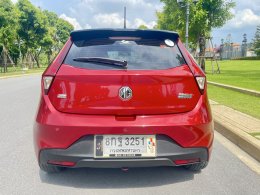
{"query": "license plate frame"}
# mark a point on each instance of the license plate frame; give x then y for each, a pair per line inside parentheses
(112, 150)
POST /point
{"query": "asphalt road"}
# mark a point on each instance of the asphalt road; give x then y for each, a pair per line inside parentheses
(19, 172)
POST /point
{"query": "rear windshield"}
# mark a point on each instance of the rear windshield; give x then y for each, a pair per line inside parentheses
(140, 54)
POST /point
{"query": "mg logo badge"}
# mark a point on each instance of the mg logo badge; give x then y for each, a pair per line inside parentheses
(125, 93)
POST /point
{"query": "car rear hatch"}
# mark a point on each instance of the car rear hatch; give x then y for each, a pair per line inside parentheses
(156, 79)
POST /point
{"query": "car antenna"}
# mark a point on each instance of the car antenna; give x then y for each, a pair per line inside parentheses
(124, 17)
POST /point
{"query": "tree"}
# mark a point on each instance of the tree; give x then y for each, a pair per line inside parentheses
(204, 16)
(58, 33)
(8, 24)
(256, 41)
(50, 44)
(29, 32)
(143, 27)
(32, 29)
(63, 30)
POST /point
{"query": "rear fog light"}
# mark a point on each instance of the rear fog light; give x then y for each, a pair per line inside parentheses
(62, 163)
(188, 161)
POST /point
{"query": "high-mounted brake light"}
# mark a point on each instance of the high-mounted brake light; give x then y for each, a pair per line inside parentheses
(201, 83)
(125, 38)
(47, 80)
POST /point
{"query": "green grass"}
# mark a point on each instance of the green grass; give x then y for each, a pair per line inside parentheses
(256, 135)
(18, 71)
(236, 100)
(240, 73)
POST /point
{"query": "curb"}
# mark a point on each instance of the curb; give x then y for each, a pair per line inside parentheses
(20, 75)
(243, 140)
(241, 90)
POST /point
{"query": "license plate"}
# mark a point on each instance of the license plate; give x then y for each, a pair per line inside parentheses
(124, 146)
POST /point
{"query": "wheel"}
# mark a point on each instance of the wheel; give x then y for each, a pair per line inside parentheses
(197, 166)
(50, 168)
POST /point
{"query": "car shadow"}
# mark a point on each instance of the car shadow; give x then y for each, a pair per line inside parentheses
(115, 178)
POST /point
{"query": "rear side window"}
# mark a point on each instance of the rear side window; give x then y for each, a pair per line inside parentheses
(139, 53)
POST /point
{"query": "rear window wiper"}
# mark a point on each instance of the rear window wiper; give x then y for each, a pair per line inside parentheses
(101, 60)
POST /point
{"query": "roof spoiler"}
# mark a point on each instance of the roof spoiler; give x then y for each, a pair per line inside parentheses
(106, 33)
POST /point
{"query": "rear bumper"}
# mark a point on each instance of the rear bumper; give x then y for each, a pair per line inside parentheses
(81, 155)
(55, 132)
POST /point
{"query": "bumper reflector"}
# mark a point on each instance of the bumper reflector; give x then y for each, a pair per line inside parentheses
(188, 161)
(62, 163)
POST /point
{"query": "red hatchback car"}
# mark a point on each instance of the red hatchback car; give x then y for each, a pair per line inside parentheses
(119, 98)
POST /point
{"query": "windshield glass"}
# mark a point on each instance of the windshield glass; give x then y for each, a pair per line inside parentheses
(140, 54)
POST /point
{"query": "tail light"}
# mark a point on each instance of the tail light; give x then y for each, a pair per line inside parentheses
(201, 83)
(47, 81)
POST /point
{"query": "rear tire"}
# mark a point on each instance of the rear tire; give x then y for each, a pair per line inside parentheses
(50, 168)
(197, 166)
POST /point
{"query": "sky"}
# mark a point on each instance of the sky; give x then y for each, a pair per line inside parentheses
(85, 14)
